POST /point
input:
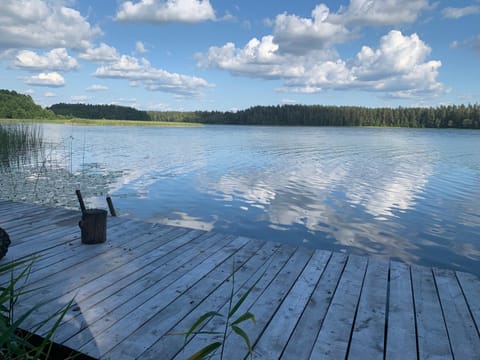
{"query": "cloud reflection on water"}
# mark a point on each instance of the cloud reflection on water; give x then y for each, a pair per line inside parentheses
(185, 220)
(324, 197)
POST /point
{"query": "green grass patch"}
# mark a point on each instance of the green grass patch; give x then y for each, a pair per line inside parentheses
(103, 122)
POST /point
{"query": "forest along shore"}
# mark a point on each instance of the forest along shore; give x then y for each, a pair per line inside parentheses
(18, 106)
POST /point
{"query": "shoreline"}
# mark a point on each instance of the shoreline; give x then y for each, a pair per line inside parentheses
(103, 122)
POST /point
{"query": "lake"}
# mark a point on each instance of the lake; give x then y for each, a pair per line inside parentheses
(407, 194)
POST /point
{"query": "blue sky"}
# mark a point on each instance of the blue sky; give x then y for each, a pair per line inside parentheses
(228, 55)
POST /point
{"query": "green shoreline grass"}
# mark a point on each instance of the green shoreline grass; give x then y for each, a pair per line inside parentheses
(104, 122)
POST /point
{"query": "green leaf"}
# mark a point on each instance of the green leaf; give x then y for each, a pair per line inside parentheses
(248, 315)
(204, 352)
(244, 297)
(46, 343)
(24, 316)
(10, 341)
(15, 264)
(244, 335)
(200, 320)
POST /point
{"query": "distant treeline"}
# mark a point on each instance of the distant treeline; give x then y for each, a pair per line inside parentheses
(18, 106)
(452, 116)
(15, 105)
(87, 111)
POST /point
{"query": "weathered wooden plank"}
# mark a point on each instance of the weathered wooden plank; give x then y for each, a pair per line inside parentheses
(8, 204)
(267, 303)
(61, 295)
(31, 242)
(432, 336)
(209, 291)
(471, 289)
(334, 336)
(271, 266)
(89, 264)
(277, 333)
(36, 221)
(51, 241)
(14, 211)
(141, 293)
(58, 247)
(303, 338)
(14, 219)
(123, 301)
(46, 241)
(68, 240)
(463, 335)
(78, 267)
(147, 308)
(55, 241)
(368, 336)
(33, 233)
(401, 332)
(167, 268)
(34, 214)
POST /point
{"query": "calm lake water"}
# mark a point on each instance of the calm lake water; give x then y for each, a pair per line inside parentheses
(408, 194)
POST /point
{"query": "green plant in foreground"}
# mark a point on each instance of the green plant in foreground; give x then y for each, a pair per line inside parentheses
(15, 343)
(230, 322)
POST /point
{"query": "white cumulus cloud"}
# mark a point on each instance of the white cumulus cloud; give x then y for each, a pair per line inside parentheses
(473, 42)
(140, 72)
(296, 34)
(330, 74)
(54, 60)
(97, 87)
(140, 47)
(397, 54)
(100, 54)
(52, 79)
(398, 67)
(457, 13)
(80, 98)
(302, 52)
(161, 11)
(43, 24)
(381, 12)
(259, 58)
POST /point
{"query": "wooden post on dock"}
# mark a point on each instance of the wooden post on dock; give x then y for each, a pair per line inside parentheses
(110, 206)
(80, 200)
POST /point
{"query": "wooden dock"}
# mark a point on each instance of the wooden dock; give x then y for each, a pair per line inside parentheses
(149, 281)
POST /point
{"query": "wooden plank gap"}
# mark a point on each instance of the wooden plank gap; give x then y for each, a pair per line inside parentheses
(401, 334)
(354, 319)
(335, 335)
(463, 334)
(470, 286)
(278, 331)
(368, 335)
(443, 312)
(303, 337)
(433, 340)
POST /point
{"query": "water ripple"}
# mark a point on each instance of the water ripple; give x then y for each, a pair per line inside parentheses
(400, 193)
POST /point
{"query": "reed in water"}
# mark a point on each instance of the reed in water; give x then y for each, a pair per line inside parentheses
(18, 143)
